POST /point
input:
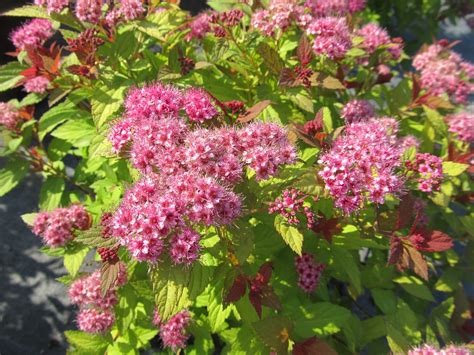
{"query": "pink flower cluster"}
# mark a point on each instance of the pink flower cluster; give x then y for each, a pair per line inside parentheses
(56, 227)
(32, 34)
(357, 110)
(96, 310)
(131, 9)
(216, 22)
(375, 37)
(279, 16)
(188, 173)
(199, 27)
(332, 36)
(290, 204)
(89, 10)
(309, 272)
(444, 72)
(362, 164)
(37, 85)
(335, 7)
(173, 333)
(427, 349)
(408, 142)
(462, 125)
(9, 116)
(429, 169)
(53, 5)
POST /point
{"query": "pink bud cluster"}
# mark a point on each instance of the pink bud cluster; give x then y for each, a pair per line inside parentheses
(56, 227)
(38, 84)
(362, 164)
(290, 204)
(427, 349)
(53, 6)
(95, 309)
(9, 116)
(173, 333)
(188, 174)
(462, 125)
(444, 72)
(216, 22)
(89, 10)
(309, 272)
(375, 37)
(199, 27)
(332, 36)
(430, 171)
(32, 34)
(357, 110)
(335, 7)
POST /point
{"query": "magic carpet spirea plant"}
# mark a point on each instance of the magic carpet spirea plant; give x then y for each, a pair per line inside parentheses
(264, 177)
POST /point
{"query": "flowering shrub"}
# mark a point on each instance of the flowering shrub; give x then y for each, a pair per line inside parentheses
(263, 177)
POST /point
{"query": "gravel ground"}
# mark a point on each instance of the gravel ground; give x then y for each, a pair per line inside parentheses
(34, 308)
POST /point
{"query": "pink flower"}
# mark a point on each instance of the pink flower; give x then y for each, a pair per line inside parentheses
(444, 72)
(89, 10)
(198, 105)
(120, 134)
(462, 125)
(309, 272)
(56, 5)
(333, 37)
(92, 320)
(173, 333)
(185, 247)
(362, 165)
(408, 142)
(262, 21)
(86, 291)
(200, 26)
(357, 110)
(156, 318)
(32, 34)
(153, 101)
(56, 227)
(374, 37)
(279, 16)
(427, 349)
(37, 85)
(430, 171)
(356, 5)
(9, 116)
(323, 8)
(290, 204)
(131, 9)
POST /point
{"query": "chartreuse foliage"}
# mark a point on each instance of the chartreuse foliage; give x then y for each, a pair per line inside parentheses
(379, 291)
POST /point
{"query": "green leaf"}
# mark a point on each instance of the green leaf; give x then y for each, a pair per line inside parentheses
(385, 300)
(13, 172)
(372, 328)
(73, 260)
(415, 287)
(218, 313)
(327, 120)
(10, 75)
(322, 318)
(94, 239)
(436, 120)
(51, 193)
(77, 132)
(302, 99)
(449, 281)
(270, 57)
(454, 169)
(170, 286)
(58, 114)
(199, 279)
(29, 218)
(344, 261)
(106, 102)
(28, 11)
(291, 235)
(87, 342)
(396, 340)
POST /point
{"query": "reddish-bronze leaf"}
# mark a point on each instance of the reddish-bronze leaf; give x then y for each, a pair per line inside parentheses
(396, 250)
(327, 227)
(416, 261)
(109, 274)
(266, 271)
(304, 51)
(254, 111)
(287, 78)
(431, 241)
(313, 346)
(405, 256)
(237, 291)
(405, 211)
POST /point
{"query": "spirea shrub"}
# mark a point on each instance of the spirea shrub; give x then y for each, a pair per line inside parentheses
(264, 177)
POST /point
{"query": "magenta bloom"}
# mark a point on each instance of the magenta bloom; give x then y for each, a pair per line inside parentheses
(53, 6)
(323, 8)
(86, 291)
(94, 321)
(279, 16)
(199, 27)
(56, 227)
(32, 34)
(430, 170)
(9, 116)
(362, 164)
(462, 125)
(427, 349)
(198, 105)
(332, 37)
(89, 10)
(444, 72)
(357, 110)
(120, 134)
(37, 85)
(309, 272)
(185, 247)
(173, 332)
(290, 204)
(131, 9)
